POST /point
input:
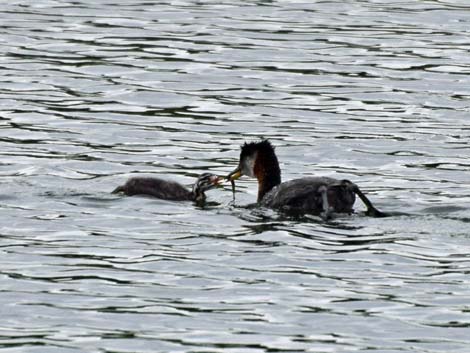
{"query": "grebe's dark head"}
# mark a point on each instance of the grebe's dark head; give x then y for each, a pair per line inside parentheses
(258, 160)
(204, 182)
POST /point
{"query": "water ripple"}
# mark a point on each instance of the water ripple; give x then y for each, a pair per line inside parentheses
(91, 94)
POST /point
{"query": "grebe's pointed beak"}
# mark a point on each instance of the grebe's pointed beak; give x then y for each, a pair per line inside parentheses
(237, 173)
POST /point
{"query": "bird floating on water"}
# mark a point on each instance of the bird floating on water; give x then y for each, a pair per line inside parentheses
(321, 196)
(169, 190)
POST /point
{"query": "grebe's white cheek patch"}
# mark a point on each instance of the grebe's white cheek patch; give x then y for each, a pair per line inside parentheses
(248, 166)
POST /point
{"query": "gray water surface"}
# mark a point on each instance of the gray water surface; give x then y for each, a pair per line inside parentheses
(94, 92)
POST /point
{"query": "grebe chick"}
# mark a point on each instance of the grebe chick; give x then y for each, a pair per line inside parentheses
(169, 190)
(313, 195)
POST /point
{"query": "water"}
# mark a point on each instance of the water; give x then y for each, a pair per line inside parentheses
(374, 91)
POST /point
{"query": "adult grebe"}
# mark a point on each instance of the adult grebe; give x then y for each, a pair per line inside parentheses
(314, 195)
(169, 190)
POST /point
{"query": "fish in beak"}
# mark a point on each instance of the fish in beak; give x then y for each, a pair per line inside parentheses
(234, 175)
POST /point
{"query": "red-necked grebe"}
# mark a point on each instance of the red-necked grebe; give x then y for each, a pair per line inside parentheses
(169, 190)
(313, 195)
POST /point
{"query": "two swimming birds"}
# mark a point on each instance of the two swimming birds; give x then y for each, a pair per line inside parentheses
(321, 196)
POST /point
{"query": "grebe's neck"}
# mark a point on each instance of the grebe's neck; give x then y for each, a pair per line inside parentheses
(267, 172)
(198, 196)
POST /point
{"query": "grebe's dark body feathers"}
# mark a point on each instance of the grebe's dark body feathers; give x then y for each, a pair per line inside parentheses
(305, 195)
(169, 190)
(159, 188)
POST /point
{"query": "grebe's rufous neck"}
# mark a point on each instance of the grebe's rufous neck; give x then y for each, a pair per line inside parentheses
(315, 195)
(258, 160)
(169, 190)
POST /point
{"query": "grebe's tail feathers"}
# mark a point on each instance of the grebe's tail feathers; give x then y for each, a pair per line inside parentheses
(118, 190)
